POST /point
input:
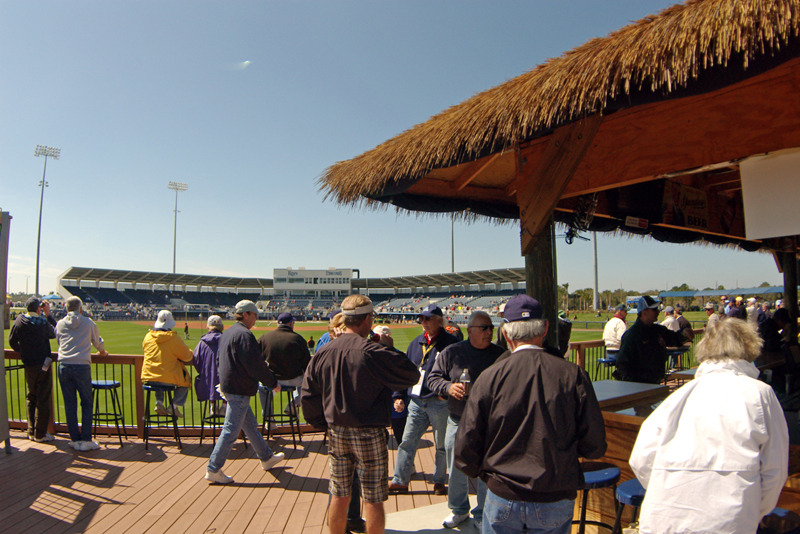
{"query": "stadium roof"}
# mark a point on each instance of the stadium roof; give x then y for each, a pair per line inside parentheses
(727, 292)
(91, 274)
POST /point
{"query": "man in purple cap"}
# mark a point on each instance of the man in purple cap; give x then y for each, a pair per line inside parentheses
(425, 408)
(286, 353)
(526, 422)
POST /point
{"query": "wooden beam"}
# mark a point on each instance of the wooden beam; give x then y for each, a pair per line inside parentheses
(440, 188)
(541, 279)
(473, 171)
(544, 182)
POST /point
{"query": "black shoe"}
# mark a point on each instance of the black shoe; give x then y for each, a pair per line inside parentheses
(356, 525)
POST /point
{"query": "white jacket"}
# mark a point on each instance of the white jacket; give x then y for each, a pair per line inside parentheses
(714, 455)
(612, 333)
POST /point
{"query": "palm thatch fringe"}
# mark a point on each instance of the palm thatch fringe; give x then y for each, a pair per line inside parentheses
(659, 53)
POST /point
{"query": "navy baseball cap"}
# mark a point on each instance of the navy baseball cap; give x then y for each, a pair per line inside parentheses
(285, 318)
(646, 302)
(431, 310)
(333, 314)
(522, 308)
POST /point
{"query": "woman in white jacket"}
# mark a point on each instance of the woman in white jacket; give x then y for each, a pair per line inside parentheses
(714, 456)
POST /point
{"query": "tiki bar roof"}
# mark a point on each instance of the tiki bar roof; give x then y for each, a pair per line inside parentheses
(675, 100)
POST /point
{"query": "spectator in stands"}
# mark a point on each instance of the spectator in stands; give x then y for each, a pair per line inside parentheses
(738, 310)
(286, 353)
(30, 335)
(614, 329)
(684, 326)
(326, 337)
(241, 368)
(165, 356)
(425, 408)
(713, 316)
(752, 312)
(501, 341)
(714, 455)
(76, 334)
(763, 314)
(205, 362)
(669, 319)
(399, 409)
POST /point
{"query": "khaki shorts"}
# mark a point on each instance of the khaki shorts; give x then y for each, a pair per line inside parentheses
(363, 450)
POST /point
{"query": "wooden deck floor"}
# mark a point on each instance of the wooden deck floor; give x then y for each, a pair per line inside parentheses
(49, 488)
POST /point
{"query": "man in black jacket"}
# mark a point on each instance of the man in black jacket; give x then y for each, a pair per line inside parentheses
(286, 353)
(30, 335)
(526, 422)
(241, 368)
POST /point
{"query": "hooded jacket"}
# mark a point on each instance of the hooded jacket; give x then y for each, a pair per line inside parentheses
(205, 362)
(30, 335)
(76, 334)
(164, 354)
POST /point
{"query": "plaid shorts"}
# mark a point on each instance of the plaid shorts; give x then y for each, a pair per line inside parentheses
(364, 450)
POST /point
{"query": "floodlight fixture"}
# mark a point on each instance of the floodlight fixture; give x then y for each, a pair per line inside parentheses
(176, 186)
(47, 152)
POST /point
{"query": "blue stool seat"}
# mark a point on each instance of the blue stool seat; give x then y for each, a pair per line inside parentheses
(631, 493)
(605, 363)
(156, 419)
(596, 475)
(109, 387)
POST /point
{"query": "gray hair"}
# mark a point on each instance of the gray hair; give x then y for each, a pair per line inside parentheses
(525, 330)
(74, 304)
(475, 315)
(731, 338)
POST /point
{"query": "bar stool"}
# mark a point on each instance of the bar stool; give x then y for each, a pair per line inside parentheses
(289, 416)
(109, 387)
(213, 420)
(632, 494)
(156, 419)
(605, 363)
(596, 475)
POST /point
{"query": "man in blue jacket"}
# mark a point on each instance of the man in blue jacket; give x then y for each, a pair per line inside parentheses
(241, 368)
(425, 408)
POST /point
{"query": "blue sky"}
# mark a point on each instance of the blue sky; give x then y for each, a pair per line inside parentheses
(140, 93)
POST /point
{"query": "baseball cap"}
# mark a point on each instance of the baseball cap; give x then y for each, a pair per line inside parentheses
(285, 318)
(778, 302)
(214, 320)
(333, 314)
(709, 306)
(621, 307)
(431, 310)
(646, 302)
(751, 300)
(382, 330)
(246, 306)
(164, 320)
(32, 304)
(739, 299)
(669, 309)
(522, 308)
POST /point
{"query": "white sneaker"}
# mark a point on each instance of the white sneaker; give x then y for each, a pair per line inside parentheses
(273, 461)
(218, 478)
(175, 410)
(75, 445)
(89, 446)
(47, 437)
(160, 409)
(453, 520)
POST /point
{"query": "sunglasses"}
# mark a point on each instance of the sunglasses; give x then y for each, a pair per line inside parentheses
(483, 327)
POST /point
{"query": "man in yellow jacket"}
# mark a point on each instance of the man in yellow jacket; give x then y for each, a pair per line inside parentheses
(165, 356)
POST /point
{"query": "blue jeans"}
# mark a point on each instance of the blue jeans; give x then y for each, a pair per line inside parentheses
(77, 380)
(178, 397)
(458, 490)
(501, 516)
(238, 417)
(421, 414)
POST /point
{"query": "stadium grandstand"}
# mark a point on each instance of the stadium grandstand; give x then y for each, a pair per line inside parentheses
(112, 294)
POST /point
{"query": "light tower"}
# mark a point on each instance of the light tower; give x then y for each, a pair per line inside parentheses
(176, 186)
(47, 152)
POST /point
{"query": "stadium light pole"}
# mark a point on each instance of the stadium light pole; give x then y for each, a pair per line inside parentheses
(47, 152)
(176, 186)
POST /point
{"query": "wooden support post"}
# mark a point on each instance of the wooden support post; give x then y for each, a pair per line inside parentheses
(789, 267)
(540, 279)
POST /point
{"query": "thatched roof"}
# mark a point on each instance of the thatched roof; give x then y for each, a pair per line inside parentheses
(661, 55)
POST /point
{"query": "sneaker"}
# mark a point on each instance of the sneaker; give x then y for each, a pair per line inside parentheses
(160, 409)
(47, 437)
(453, 520)
(359, 526)
(218, 478)
(397, 488)
(75, 445)
(439, 489)
(176, 410)
(272, 461)
(89, 446)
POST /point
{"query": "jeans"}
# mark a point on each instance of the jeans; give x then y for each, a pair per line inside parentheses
(77, 380)
(458, 490)
(178, 398)
(501, 516)
(238, 417)
(421, 414)
(40, 389)
(265, 395)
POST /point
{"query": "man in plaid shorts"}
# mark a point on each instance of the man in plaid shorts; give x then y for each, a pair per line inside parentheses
(348, 389)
